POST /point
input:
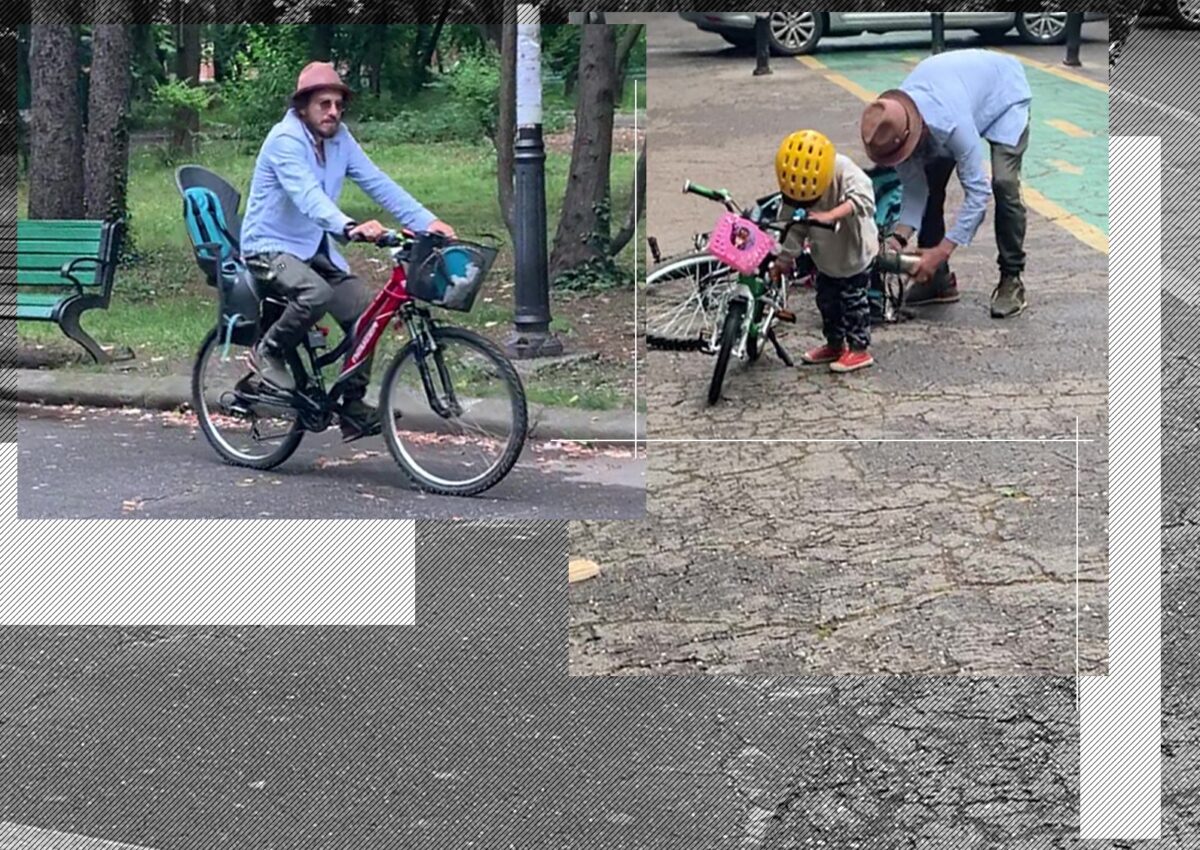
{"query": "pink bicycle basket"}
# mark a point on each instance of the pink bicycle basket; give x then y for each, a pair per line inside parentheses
(739, 244)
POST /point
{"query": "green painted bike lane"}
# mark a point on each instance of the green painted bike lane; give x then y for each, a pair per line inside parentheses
(1067, 157)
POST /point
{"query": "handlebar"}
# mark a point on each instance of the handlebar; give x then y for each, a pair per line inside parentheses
(389, 239)
(722, 196)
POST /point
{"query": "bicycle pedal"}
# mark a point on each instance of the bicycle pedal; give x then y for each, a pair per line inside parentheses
(358, 434)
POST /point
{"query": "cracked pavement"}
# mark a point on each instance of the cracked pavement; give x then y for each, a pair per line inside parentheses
(856, 557)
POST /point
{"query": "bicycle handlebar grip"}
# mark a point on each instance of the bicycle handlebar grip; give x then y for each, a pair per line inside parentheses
(703, 191)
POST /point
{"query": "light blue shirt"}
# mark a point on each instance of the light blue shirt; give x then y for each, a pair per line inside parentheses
(293, 195)
(964, 96)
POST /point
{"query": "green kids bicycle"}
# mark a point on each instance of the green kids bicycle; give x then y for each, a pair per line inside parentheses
(731, 302)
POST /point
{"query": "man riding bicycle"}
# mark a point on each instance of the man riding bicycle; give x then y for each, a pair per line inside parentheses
(290, 212)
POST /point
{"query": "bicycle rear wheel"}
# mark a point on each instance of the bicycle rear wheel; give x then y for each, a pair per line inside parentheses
(684, 297)
(243, 424)
(455, 418)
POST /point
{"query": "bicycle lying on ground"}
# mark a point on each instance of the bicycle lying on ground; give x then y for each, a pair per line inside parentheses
(452, 406)
(728, 300)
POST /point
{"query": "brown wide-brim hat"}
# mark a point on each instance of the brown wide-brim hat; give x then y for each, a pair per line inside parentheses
(317, 76)
(891, 127)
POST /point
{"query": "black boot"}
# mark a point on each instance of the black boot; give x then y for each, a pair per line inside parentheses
(358, 419)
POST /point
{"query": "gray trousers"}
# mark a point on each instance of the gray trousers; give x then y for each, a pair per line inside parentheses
(1006, 190)
(314, 288)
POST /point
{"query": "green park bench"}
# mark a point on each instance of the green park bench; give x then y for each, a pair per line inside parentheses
(64, 269)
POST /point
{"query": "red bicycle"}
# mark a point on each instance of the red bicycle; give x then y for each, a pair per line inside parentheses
(452, 406)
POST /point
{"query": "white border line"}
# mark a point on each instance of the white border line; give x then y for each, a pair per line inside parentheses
(1120, 716)
(637, 247)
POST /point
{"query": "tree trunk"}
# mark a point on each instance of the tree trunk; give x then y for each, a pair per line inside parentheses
(431, 47)
(492, 32)
(637, 207)
(320, 45)
(106, 156)
(628, 39)
(376, 49)
(416, 52)
(187, 68)
(56, 142)
(506, 125)
(583, 234)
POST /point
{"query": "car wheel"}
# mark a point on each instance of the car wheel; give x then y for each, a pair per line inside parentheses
(795, 33)
(1042, 27)
(992, 35)
(1186, 13)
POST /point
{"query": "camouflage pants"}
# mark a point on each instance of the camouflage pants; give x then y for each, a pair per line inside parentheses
(845, 311)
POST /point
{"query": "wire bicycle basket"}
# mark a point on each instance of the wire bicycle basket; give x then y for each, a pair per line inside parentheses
(448, 273)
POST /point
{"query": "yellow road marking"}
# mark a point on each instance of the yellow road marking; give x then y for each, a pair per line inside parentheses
(1057, 71)
(834, 77)
(1088, 234)
(1069, 128)
(1063, 165)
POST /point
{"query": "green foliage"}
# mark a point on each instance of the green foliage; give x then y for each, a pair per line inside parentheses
(177, 94)
(474, 85)
(560, 50)
(264, 75)
(594, 275)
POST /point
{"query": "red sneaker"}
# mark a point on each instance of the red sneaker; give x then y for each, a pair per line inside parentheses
(851, 360)
(823, 354)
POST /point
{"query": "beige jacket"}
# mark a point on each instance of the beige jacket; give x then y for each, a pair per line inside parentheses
(850, 248)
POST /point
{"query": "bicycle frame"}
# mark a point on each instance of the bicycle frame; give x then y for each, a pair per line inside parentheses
(752, 289)
(372, 323)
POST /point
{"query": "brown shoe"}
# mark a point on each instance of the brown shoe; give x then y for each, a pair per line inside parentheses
(941, 289)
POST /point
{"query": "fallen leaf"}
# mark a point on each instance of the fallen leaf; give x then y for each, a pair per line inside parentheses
(581, 569)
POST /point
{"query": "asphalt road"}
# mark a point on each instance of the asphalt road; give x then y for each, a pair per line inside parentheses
(785, 556)
(84, 463)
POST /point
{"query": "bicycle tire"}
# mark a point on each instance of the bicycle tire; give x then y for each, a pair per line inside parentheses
(706, 271)
(287, 446)
(426, 480)
(735, 313)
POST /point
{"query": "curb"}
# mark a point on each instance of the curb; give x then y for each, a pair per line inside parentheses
(35, 386)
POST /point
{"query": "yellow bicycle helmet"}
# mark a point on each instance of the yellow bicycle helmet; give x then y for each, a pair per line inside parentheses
(804, 165)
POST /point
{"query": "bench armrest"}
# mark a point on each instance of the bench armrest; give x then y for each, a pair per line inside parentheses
(68, 269)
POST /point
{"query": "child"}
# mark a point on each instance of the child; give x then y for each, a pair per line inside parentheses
(832, 190)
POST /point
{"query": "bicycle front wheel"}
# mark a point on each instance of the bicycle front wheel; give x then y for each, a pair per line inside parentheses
(454, 418)
(241, 421)
(731, 332)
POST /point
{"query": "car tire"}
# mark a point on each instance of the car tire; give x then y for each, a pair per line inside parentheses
(1042, 27)
(1185, 13)
(795, 33)
(992, 35)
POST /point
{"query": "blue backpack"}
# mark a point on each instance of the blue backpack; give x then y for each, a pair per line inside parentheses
(206, 225)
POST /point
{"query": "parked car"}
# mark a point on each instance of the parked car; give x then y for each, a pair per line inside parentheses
(794, 33)
(1186, 13)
